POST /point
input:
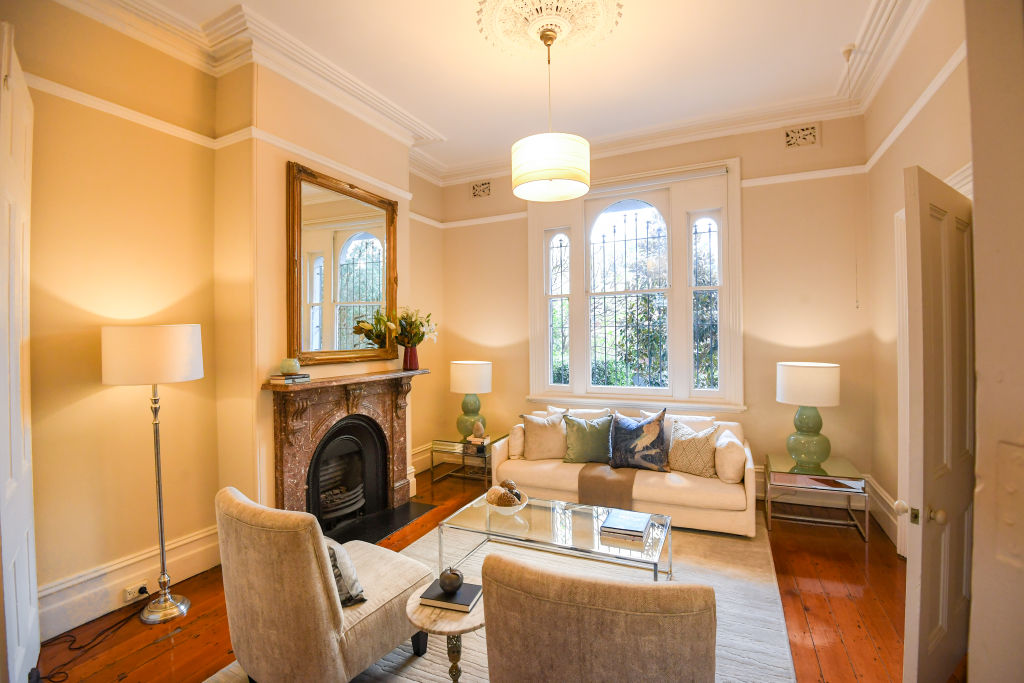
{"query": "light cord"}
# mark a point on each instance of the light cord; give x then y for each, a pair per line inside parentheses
(549, 87)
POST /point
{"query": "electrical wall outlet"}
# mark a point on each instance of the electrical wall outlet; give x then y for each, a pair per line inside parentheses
(133, 591)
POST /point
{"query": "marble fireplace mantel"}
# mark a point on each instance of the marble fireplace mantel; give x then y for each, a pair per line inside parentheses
(303, 413)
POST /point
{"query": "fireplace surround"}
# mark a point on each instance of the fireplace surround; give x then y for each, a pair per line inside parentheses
(304, 414)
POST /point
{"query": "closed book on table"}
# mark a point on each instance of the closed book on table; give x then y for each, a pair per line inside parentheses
(462, 600)
(626, 523)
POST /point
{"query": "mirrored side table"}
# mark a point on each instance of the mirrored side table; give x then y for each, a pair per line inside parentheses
(835, 476)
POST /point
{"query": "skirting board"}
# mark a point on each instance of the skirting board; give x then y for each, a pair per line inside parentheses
(883, 506)
(77, 599)
(420, 458)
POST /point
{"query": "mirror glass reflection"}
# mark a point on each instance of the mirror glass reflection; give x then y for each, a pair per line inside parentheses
(343, 252)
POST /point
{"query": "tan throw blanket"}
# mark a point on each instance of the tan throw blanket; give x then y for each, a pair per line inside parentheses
(606, 486)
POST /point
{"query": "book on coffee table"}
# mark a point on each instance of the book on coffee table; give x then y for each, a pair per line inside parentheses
(462, 600)
(626, 524)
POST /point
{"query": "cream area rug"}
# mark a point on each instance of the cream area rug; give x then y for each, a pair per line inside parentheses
(751, 644)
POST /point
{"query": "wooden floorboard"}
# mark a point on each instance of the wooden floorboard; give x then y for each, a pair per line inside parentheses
(852, 596)
(843, 607)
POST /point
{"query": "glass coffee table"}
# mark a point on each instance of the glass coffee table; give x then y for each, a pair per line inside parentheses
(559, 527)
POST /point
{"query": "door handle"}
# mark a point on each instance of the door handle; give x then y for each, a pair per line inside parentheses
(937, 516)
(900, 507)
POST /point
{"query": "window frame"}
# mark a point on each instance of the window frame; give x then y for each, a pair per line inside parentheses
(689, 198)
(549, 237)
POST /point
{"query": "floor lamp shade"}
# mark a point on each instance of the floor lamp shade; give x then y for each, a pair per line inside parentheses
(151, 354)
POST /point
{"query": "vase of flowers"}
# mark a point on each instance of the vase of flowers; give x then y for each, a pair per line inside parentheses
(376, 330)
(413, 328)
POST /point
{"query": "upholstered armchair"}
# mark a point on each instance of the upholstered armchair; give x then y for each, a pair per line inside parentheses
(549, 626)
(285, 617)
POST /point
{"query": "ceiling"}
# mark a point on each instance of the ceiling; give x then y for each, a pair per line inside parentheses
(668, 64)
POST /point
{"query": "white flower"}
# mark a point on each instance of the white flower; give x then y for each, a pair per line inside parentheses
(365, 325)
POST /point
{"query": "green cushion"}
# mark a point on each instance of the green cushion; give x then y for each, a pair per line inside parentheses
(587, 440)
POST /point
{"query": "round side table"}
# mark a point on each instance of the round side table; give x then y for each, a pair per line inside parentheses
(446, 622)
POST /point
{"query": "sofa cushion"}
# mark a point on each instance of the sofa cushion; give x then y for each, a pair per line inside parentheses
(587, 440)
(691, 451)
(350, 591)
(730, 458)
(735, 427)
(542, 474)
(545, 437)
(516, 441)
(639, 443)
(688, 490)
(694, 422)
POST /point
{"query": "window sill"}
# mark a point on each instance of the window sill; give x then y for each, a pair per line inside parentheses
(642, 403)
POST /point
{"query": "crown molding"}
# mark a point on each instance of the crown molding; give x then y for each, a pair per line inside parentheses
(885, 31)
(240, 36)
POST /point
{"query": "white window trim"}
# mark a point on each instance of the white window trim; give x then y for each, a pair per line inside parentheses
(545, 219)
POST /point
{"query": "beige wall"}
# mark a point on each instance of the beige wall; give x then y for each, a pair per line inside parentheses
(938, 140)
(799, 246)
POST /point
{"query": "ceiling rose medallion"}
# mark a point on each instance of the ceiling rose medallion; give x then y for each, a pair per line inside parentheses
(548, 167)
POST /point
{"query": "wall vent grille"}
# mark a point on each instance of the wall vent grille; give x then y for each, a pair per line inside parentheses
(803, 136)
(482, 189)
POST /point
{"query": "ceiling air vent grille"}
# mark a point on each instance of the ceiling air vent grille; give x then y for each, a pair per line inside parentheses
(803, 136)
(482, 189)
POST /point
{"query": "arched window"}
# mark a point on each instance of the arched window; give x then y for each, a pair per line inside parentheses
(558, 308)
(628, 300)
(360, 285)
(315, 297)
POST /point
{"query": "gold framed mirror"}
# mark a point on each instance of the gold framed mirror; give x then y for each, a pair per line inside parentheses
(341, 268)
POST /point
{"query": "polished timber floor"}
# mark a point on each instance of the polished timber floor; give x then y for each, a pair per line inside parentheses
(843, 605)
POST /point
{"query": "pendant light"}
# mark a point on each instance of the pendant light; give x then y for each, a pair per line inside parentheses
(550, 167)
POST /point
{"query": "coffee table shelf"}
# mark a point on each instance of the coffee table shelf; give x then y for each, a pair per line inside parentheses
(560, 527)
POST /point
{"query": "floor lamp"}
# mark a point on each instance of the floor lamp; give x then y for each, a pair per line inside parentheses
(154, 354)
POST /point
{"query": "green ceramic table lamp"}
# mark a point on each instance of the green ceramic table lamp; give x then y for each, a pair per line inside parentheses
(470, 377)
(810, 386)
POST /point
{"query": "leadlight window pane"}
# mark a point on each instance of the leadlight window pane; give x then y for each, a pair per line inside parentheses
(705, 339)
(316, 314)
(558, 317)
(629, 248)
(558, 265)
(316, 298)
(360, 289)
(628, 335)
(705, 253)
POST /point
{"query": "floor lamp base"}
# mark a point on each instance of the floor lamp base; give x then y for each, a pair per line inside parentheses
(164, 608)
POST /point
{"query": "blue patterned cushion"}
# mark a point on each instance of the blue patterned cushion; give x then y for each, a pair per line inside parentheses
(639, 443)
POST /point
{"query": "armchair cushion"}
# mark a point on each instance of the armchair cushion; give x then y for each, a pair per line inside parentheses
(349, 589)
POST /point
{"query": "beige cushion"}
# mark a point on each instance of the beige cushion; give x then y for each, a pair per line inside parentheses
(694, 422)
(688, 490)
(730, 458)
(545, 437)
(582, 413)
(516, 442)
(542, 474)
(735, 427)
(692, 452)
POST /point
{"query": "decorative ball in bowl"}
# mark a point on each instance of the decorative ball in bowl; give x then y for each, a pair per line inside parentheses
(506, 500)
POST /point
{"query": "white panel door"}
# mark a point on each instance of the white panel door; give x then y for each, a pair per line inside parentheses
(17, 528)
(941, 472)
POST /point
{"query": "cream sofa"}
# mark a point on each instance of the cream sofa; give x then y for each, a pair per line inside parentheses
(693, 502)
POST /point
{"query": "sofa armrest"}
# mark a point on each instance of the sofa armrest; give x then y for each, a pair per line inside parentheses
(499, 454)
(749, 478)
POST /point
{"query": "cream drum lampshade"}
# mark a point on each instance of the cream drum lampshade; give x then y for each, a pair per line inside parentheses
(550, 167)
(807, 384)
(471, 376)
(151, 354)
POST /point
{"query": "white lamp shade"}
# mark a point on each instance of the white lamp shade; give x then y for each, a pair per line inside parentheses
(807, 384)
(471, 376)
(550, 167)
(151, 354)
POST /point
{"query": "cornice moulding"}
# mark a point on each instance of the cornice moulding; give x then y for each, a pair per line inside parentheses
(240, 36)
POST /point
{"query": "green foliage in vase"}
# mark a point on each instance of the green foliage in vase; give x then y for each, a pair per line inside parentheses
(376, 330)
(413, 328)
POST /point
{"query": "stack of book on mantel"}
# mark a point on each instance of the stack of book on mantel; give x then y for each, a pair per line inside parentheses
(625, 525)
(462, 600)
(300, 378)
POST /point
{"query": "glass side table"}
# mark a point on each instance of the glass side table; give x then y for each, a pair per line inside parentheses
(468, 461)
(837, 475)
